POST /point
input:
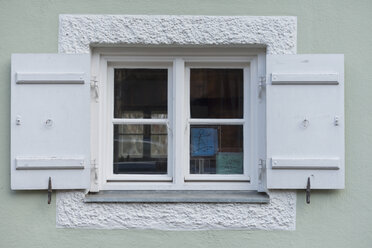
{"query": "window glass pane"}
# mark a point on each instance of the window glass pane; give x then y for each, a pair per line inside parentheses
(216, 93)
(140, 93)
(216, 149)
(132, 114)
(158, 115)
(140, 149)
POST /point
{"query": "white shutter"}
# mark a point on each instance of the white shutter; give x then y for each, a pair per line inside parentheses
(50, 105)
(305, 121)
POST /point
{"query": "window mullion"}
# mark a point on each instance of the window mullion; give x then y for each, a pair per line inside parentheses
(139, 121)
(217, 121)
(179, 119)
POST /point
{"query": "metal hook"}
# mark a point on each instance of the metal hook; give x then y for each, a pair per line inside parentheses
(50, 190)
(308, 191)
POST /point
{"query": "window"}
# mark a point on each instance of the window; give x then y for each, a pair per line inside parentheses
(54, 140)
(139, 95)
(176, 119)
(208, 123)
(216, 121)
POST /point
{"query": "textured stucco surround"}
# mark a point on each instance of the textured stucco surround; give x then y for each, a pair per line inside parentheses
(78, 32)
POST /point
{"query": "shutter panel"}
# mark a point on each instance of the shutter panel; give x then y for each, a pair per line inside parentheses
(305, 121)
(50, 130)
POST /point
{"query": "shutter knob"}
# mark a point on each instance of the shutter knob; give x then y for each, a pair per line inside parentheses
(305, 123)
(49, 123)
(18, 120)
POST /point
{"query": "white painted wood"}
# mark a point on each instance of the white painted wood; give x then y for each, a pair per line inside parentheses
(301, 164)
(105, 115)
(178, 122)
(180, 110)
(49, 163)
(50, 78)
(50, 120)
(139, 121)
(301, 121)
(139, 178)
(95, 132)
(217, 177)
(133, 53)
(304, 78)
(107, 121)
(259, 128)
(217, 121)
(244, 63)
(190, 185)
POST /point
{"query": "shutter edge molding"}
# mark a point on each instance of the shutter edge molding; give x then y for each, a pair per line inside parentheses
(305, 163)
(50, 78)
(304, 79)
(49, 163)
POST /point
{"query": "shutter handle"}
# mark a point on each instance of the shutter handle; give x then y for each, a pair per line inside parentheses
(50, 190)
(308, 191)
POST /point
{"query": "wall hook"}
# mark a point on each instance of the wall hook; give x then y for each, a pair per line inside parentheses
(308, 191)
(50, 190)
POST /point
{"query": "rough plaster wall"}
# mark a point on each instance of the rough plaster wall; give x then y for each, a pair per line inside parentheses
(78, 32)
(279, 214)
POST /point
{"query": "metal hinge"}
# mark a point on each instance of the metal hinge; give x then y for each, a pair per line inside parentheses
(95, 87)
(262, 175)
(261, 85)
(262, 164)
(261, 168)
(94, 168)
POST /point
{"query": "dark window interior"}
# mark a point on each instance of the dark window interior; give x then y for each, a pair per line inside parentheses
(216, 93)
(140, 93)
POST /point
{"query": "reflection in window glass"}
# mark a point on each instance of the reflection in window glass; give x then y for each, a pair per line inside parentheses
(132, 114)
(216, 149)
(139, 93)
(140, 149)
(216, 93)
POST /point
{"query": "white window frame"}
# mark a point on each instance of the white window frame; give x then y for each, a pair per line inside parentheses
(209, 62)
(126, 63)
(178, 61)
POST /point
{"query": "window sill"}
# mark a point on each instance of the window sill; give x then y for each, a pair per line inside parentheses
(177, 196)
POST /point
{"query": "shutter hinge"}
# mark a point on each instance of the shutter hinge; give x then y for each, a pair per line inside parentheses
(262, 164)
(95, 87)
(261, 168)
(94, 168)
(261, 85)
(262, 175)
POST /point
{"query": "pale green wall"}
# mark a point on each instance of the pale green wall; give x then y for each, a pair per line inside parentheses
(334, 218)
